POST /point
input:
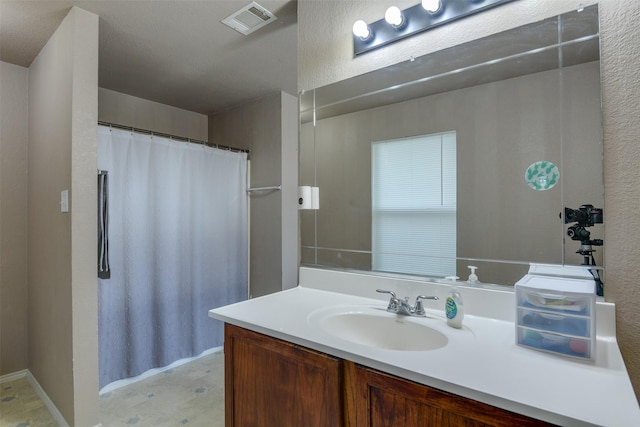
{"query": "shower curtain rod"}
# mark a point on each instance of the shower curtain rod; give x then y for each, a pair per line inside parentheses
(175, 137)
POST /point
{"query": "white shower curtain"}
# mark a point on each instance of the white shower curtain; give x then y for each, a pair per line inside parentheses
(177, 248)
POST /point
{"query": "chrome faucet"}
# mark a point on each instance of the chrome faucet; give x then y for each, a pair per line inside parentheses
(403, 307)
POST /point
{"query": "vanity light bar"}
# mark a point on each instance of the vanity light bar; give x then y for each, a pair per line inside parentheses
(416, 19)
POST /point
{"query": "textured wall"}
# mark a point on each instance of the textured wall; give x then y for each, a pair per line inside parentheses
(267, 127)
(289, 181)
(13, 217)
(621, 91)
(84, 199)
(127, 110)
(325, 56)
(325, 47)
(63, 113)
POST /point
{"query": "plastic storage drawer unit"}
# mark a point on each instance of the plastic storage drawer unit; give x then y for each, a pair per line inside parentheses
(557, 315)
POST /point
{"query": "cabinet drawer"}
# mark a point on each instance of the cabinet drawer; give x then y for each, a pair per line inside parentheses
(555, 322)
(555, 343)
(560, 302)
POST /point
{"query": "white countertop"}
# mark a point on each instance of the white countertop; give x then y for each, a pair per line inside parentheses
(480, 361)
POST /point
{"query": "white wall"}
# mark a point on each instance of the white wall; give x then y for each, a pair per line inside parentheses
(14, 135)
(325, 55)
(63, 107)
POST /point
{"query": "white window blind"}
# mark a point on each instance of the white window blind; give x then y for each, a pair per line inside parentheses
(414, 205)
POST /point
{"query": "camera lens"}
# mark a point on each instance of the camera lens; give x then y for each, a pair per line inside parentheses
(574, 215)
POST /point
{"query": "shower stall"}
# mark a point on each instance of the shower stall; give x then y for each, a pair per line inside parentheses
(173, 243)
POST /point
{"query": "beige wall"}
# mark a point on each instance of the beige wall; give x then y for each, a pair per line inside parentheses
(325, 55)
(63, 105)
(493, 198)
(621, 123)
(14, 136)
(325, 47)
(53, 309)
(122, 109)
(289, 174)
(267, 127)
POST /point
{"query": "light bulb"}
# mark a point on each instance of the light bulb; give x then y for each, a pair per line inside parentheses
(394, 17)
(432, 6)
(361, 29)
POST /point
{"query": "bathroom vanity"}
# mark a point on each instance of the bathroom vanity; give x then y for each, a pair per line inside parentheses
(328, 353)
(274, 382)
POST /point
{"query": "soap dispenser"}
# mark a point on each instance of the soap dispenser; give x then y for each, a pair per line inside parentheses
(454, 308)
(473, 278)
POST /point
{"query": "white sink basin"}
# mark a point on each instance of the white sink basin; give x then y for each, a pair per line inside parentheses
(375, 327)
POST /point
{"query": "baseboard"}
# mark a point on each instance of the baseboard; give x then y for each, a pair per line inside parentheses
(13, 376)
(47, 402)
(57, 416)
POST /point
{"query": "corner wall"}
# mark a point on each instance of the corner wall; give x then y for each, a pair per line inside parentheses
(267, 127)
(14, 136)
(63, 105)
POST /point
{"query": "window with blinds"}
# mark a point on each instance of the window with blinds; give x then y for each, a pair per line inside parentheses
(414, 205)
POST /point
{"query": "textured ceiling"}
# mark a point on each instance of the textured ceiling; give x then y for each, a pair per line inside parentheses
(175, 52)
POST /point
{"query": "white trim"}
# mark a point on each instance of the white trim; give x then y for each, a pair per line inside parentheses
(14, 376)
(57, 416)
(47, 402)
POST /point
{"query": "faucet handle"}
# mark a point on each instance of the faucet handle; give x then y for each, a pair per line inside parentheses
(419, 307)
(393, 302)
(384, 291)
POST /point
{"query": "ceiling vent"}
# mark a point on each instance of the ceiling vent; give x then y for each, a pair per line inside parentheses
(249, 18)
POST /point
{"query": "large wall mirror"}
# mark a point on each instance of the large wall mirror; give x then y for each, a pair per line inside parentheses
(524, 110)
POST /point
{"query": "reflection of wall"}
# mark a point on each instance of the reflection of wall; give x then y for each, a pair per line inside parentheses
(502, 128)
(13, 218)
(268, 127)
(330, 59)
(63, 103)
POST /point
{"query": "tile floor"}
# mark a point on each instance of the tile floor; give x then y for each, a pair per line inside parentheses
(20, 406)
(188, 395)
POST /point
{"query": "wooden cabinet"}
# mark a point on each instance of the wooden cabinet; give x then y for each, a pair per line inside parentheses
(382, 400)
(274, 383)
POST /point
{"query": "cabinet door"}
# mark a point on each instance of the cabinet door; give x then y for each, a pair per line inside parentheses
(375, 399)
(269, 382)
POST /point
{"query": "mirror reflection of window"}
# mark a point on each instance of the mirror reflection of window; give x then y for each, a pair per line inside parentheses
(414, 205)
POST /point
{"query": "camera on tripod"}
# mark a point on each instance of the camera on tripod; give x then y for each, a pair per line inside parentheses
(584, 216)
